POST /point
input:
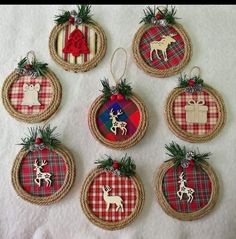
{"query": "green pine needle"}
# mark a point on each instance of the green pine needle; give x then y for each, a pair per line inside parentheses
(183, 80)
(49, 138)
(62, 18)
(106, 91)
(84, 13)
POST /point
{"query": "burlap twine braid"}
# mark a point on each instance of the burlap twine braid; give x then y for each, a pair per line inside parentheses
(156, 72)
(34, 118)
(78, 67)
(134, 139)
(104, 224)
(180, 215)
(68, 182)
(175, 128)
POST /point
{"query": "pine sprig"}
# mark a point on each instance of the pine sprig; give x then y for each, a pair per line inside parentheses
(39, 67)
(166, 14)
(62, 18)
(84, 13)
(184, 80)
(47, 135)
(178, 154)
(122, 88)
(127, 166)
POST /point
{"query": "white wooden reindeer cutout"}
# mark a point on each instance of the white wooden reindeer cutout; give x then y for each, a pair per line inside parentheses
(40, 175)
(112, 199)
(117, 124)
(31, 94)
(162, 46)
(183, 189)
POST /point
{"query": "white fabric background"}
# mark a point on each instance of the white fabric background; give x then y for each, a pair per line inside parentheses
(212, 30)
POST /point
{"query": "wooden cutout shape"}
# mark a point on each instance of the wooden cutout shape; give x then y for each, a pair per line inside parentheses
(117, 124)
(196, 112)
(183, 189)
(162, 46)
(112, 199)
(40, 175)
(31, 94)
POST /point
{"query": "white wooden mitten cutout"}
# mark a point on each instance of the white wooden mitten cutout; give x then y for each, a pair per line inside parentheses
(31, 94)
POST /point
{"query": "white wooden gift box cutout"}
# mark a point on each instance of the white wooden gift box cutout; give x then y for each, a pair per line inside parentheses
(196, 111)
(31, 94)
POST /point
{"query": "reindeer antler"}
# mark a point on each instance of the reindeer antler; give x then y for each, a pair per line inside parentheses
(119, 112)
(181, 175)
(172, 34)
(36, 162)
(44, 162)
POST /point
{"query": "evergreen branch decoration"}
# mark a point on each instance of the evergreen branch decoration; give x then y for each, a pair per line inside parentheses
(35, 69)
(82, 15)
(39, 138)
(125, 166)
(182, 157)
(156, 15)
(123, 88)
(191, 85)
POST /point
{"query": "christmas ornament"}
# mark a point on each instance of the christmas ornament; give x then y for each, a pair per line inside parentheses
(43, 171)
(118, 118)
(194, 111)
(112, 195)
(32, 92)
(161, 47)
(186, 191)
(77, 43)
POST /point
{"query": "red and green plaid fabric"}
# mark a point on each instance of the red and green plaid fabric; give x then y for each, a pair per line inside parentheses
(197, 179)
(120, 186)
(131, 116)
(180, 114)
(16, 94)
(55, 166)
(175, 51)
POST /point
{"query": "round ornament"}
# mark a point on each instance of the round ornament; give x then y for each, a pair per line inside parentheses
(161, 47)
(112, 195)
(31, 93)
(77, 43)
(194, 111)
(187, 187)
(118, 118)
(43, 171)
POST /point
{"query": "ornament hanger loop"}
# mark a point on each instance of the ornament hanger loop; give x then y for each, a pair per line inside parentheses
(198, 71)
(116, 79)
(31, 57)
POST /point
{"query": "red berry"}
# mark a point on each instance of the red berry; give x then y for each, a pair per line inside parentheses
(71, 20)
(115, 165)
(120, 97)
(28, 66)
(191, 82)
(113, 97)
(159, 16)
(38, 140)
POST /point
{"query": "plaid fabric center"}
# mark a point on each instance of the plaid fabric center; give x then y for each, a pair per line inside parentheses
(131, 116)
(16, 94)
(180, 114)
(120, 186)
(197, 179)
(175, 51)
(55, 166)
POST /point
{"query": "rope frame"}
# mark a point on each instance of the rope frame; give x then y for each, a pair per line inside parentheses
(104, 224)
(186, 216)
(69, 179)
(134, 139)
(182, 134)
(34, 118)
(78, 67)
(156, 72)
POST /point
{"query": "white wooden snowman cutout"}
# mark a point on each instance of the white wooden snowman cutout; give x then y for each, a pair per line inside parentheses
(31, 94)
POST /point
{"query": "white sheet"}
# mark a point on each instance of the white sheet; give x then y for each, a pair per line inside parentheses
(212, 30)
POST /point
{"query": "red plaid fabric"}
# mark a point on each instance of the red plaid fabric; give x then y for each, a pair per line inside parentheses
(131, 116)
(16, 94)
(197, 179)
(180, 114)
(175, 51)
(120, 186)
(55, 166)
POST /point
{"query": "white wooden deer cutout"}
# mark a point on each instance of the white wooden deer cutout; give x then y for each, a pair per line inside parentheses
(31, 94)
(162, 46)
(183, 189)
(40, 175)
(112, 199)
(117, 124)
